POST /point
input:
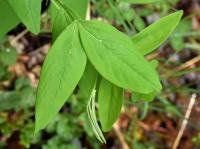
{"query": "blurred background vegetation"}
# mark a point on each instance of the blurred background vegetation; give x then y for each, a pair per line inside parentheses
(142, 125)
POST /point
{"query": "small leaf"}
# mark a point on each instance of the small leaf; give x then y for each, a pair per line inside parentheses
(140, 1)
(115, 58)
(61, 72)
(110, 100)
(8, 17)
(28, 12)
(139, 23)
(177, 43)
(93, 119)
(154, 35)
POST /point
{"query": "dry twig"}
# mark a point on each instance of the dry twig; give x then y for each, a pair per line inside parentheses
(185, 122)
(19, 36)
(189, 63)
(120, 136)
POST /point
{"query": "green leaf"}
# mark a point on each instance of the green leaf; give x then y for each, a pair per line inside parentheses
(115, 58)
(146, 97)
(8, 56)
(9, 100)
(22, 83)
(139, 23)
(140, 1)
(86, 84)
(10, 19)
(61, 19)
(177, 43)
(61, 72)
(149, 39)
(28, 12)
(93, 119)
(154, 35)
(110, 100)
(79, 6)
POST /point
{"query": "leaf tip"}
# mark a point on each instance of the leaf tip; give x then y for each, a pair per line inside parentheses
(40, 122)
(106, 129)
(37, 127)
(180, 13)
(36, 130)
(35, 30)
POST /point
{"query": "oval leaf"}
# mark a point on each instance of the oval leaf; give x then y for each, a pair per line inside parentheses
(114, 57)
(61, 72)
(110, 100)
(154, 35)
(28, 12)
